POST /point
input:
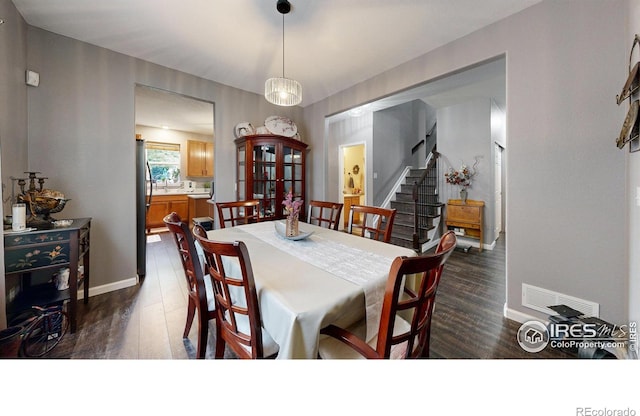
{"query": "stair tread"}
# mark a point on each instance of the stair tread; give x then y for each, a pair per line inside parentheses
(408, 234)
(402, 233)
(410, 213)
(410, 231)
(429, 204)
(408, 239)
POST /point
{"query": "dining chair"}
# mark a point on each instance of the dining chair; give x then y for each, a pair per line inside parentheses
(325, 213)
(200, 289)
(238, 212)
(375, 222)
(238, 323)
(405, 320)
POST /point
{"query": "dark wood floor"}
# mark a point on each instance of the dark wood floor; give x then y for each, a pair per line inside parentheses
(146, 321)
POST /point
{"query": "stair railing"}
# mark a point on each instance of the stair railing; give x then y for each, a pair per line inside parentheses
(425, 199)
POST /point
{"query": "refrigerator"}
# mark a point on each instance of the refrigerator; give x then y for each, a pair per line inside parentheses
(143, 201)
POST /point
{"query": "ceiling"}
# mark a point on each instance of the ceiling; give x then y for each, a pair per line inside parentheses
(330, 45)
(160, 109)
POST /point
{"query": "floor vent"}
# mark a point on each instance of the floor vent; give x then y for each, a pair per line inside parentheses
(538, 299)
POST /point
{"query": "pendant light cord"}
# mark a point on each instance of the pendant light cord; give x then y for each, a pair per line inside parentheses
(283, 45)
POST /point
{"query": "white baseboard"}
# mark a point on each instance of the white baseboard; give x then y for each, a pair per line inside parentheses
(110, 287)
(464, 241)
(519, 316)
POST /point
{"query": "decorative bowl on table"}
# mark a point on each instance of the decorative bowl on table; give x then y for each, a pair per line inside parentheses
(41, 204)
(281, 228)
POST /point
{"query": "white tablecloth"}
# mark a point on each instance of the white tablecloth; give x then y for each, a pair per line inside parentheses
(303, 286)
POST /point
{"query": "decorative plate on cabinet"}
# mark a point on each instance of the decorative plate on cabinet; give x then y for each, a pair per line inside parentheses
(244, 129)
(281, 126)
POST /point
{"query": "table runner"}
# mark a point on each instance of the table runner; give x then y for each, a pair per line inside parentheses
(338, 259)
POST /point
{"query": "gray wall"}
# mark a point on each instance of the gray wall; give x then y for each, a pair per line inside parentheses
(13, 112)
(561, 84)
(393, 136)
(395, 131)
(464, 137)
(81, 135)
(389, 136)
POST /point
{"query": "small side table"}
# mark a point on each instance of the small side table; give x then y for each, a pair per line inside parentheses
(48, 251)
(468, 216)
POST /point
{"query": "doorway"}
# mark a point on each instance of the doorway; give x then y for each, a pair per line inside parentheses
(352, 184)
(169, 124)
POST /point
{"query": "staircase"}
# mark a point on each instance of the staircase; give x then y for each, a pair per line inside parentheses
(417, 208)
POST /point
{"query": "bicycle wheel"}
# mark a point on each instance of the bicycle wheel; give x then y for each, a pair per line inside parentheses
(44, 334)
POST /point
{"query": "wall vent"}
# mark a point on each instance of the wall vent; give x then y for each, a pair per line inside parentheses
(538, 299)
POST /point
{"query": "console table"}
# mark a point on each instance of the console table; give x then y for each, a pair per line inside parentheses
(466, 215)
(33, 255)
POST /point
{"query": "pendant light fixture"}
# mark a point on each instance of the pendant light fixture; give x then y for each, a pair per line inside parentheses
(283, 91)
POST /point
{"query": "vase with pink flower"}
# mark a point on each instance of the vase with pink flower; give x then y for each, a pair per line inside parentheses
(292, 208)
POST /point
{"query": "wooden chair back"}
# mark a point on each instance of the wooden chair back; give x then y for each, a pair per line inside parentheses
(375, 222)
(405, 320)
(238, 212)
(416, 306)
(238, 322)
(193, 271)
(325, 214)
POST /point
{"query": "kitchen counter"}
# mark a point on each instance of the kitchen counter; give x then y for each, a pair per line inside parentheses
(198, 196)
(187, 204)
(197, 192)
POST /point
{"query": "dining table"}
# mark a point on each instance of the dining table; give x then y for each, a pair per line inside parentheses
(303, 285)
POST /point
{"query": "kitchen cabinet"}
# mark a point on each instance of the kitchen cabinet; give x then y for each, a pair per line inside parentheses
(198, 207)
(268, 167)
(32, 258)
(162, 205)
(349, 200)
(466, 216)
(199, 159)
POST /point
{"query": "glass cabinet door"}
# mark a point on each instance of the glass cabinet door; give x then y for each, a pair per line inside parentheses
(264, 178)
(293, 170)
(241, 174)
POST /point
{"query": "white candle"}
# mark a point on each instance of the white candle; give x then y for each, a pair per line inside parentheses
(19, 217)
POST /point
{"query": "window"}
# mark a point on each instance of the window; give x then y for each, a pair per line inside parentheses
(164, 161)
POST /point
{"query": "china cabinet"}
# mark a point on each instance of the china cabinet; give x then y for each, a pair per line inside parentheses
(269, 166)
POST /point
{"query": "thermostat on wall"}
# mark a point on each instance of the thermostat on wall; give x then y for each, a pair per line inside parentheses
(32, 78)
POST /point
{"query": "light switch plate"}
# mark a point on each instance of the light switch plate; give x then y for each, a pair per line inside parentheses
(32, 78)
